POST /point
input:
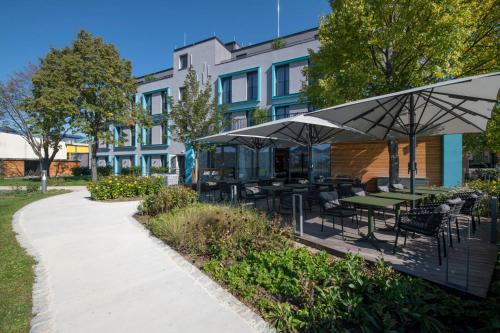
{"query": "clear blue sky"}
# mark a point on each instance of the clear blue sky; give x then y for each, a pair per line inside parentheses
(145, 31)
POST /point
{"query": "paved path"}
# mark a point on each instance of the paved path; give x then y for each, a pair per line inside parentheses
(100, 271)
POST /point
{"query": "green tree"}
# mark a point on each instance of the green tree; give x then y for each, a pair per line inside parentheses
(106, 88)
(372, 47)
(196, 114)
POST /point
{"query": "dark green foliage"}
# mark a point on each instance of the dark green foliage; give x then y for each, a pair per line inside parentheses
(278, 43)
(121, 187)
(131, 171)
(80, 171)
(159, 170)
(104, 170)
(168, 198)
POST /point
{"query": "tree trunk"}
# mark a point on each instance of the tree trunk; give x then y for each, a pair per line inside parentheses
(46, 161)
(93, 158)
(393, 161)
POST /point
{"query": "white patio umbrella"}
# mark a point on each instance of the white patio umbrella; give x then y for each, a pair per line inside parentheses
(303, 130)
(450, 107)
(255, 143)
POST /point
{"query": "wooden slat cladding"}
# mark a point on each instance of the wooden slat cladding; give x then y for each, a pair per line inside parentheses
(367, 160)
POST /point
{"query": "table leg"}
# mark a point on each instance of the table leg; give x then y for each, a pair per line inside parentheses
(370, 236)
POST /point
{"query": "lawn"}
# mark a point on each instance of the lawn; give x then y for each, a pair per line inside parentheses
(16, 267)
(55, 181)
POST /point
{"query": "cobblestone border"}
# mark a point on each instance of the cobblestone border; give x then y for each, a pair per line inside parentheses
(211, 287)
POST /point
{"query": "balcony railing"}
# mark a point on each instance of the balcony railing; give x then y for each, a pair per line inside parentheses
(240, 123)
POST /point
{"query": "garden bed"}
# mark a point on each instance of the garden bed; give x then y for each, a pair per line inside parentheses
(296, 289)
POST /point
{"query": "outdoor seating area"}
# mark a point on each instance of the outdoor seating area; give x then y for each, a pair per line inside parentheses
(445, 242)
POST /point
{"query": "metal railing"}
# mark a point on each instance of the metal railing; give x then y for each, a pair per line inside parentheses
(240, 123)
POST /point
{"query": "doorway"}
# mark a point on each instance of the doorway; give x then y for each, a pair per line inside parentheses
(281, 163)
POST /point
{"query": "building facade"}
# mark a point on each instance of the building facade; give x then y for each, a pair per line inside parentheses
(264, 75)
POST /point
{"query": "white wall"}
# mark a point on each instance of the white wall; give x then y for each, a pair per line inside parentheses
(14, 146)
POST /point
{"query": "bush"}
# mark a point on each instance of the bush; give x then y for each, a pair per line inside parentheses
(104, 171)
(485, 174)
(159, 170)
(120, 187)
(131, 171)
(32, 188)
(168, 198)
(80, 171)
(217, 231)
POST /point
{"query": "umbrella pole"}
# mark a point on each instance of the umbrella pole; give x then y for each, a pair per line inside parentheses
(413, 145)
(257, 151)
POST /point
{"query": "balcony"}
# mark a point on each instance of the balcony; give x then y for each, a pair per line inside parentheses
(240, 123)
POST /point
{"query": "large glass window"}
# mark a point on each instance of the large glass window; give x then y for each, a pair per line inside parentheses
(282, 80)
(246, 165)
(148, 136)
(164, 101)
(321, 160)
(183, 61)
(265, 163)
(298, 162)
(252, 86)
(281, 112)
(149, 104)
(226, 90)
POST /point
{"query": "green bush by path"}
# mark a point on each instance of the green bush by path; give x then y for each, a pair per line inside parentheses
(168, 198)
(122, 187)
(218, 231)
(131, 171)
(16, 267)
(300, 291)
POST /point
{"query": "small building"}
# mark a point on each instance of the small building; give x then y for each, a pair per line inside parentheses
(77, 149)
(17, 158)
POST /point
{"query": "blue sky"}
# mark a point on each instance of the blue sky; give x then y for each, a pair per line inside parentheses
(145, 31)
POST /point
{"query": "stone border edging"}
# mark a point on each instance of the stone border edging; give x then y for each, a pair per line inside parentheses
(42, 320)
(211, 287)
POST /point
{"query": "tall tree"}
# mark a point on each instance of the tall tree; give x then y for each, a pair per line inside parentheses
(372, 47)
(103, 85)
(196, 114)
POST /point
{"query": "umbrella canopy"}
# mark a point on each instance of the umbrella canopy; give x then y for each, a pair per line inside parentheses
(303, 130)
(450, 107)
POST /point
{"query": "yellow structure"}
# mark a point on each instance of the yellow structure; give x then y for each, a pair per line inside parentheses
(78, 151)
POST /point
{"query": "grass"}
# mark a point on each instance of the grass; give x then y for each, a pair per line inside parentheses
(55, 181)
(16, 266)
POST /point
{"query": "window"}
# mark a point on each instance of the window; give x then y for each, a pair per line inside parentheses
(252, 86)
(182, 90)
(226, 90)
(164, 101)
(281, 112)
(183, 61)
(148, 136)
(149, 104)
(282, 76)
(164, 134)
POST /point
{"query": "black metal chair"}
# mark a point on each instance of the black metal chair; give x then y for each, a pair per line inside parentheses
(344, 190)
(252, 192)
(470, 208)
(426, 221)
(455, 205)
(331, 206)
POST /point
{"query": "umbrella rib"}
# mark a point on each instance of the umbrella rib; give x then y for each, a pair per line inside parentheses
(430, 127)
(367, 112)
(470, 98)
(388, 112)
(456, 115)
(425, 107)
(397, 117)
(461, 108)
(436, 117)
(384, 126)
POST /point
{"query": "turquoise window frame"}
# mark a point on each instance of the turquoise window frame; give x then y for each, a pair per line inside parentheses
(274, 106)
(273, 77)
(244, 71)
(168, 110)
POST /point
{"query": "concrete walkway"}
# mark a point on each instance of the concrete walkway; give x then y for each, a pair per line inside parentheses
(100, 271)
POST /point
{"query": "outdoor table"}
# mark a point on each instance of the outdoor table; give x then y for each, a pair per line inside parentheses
(433, 188)
(423, 191)
(274, 190)
(298, 185)
(329, 184)
(399, 195)
(371, 203)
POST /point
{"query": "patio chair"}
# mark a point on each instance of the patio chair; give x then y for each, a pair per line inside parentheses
(209, 188)
(397, 187)
(252, 192)
(383, 188)
(331, 206)
(426, 221)
(470, 208)
(344, 190)
(455, 208)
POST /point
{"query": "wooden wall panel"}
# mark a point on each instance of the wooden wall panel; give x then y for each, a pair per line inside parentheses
(15, 168)
(368, 160)
(12, 168)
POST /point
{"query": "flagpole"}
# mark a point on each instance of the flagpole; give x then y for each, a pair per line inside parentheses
(278, 18)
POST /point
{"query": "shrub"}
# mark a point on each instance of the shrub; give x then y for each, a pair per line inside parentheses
(168, 198)
(104, 171)
(217, 231)
(131, 171)
(32, 188)
(278, 43)
(119, 187)
(159, 170)
(80, 171)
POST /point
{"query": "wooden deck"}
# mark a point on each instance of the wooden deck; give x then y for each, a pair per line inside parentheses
(468, 267)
